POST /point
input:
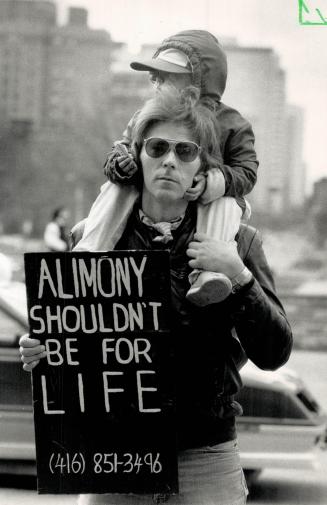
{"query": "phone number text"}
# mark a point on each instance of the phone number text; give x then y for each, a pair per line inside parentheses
(112, 462)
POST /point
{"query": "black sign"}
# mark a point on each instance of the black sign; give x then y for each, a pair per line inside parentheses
(104, 395)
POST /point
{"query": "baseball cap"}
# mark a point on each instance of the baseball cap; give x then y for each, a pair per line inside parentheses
(169, 60)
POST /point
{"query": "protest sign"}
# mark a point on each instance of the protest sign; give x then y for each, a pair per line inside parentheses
(104, 395)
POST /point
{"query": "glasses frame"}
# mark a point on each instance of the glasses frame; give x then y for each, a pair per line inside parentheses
(172, 146)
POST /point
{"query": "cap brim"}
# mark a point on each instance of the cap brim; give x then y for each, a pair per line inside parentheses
(159, 65)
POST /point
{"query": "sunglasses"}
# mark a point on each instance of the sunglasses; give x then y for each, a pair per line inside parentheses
(156, 147)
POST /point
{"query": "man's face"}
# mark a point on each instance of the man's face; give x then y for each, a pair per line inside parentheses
(167, 177)
(164, 80)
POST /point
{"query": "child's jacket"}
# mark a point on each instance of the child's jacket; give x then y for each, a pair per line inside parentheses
(209, 66)
(208, 60)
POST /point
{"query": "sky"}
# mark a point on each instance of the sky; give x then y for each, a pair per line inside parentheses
(302, 49)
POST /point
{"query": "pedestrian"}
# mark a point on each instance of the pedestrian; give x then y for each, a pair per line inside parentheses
(55, 236)
(192, 57)
(173, 141)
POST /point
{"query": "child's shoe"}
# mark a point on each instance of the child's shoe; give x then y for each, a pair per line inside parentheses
(209, 287)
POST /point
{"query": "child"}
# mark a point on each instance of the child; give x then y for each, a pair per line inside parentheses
(190, 57)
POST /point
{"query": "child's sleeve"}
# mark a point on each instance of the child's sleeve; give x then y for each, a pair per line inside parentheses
(127, 133)
(111, 167)
(236, 174)
(215, 186)
(240, 160)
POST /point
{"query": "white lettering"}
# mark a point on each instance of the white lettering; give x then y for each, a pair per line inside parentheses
(140, 390)
(138, 352)
(45, 275)
(88, 277)
(81, 392)
(36, 318)
(108, 390)
(130, 351)
(69, 350)
(75, 277)
(45, 398)
(94, 327)
(123, 276)
(65, 318)
(55, 351)
(61, 293)
(53, 317)
(155, 306)
(106, 349)
(124, 313)
(138, 272)
(135, 316)
(102, 327)
(112, 277)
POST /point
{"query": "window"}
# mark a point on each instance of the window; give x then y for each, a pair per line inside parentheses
(310, 403)
(258, 402)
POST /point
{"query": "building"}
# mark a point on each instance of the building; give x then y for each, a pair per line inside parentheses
(295, 191)
(49, 74)
(128, 91)
(317, 212)
(79, 70)
(54, 102)
(256, 87)
(24, 56)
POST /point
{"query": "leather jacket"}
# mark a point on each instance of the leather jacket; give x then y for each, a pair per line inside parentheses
(212, 343)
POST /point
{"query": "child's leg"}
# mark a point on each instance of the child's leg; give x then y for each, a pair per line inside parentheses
(220, 220)
(107, 218)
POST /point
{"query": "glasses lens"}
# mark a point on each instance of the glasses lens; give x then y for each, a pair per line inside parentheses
(186, 151)
(156, 147)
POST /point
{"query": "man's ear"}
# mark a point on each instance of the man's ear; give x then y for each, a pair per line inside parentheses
(136, 150)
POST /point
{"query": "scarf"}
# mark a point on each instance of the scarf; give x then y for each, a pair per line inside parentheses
(164, 228)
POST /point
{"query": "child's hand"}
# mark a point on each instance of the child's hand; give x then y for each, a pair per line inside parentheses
(120, 165)
(197, 189)
(125, 160)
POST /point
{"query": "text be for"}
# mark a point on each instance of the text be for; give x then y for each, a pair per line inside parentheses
(122, 350)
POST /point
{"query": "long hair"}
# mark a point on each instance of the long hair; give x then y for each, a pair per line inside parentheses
(183, 108)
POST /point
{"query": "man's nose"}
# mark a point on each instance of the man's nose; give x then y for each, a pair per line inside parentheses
(170, 159)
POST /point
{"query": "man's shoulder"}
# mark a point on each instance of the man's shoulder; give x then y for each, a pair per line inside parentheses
(247, 237)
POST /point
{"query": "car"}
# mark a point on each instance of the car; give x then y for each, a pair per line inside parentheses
(282, 425)
(17, 450)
